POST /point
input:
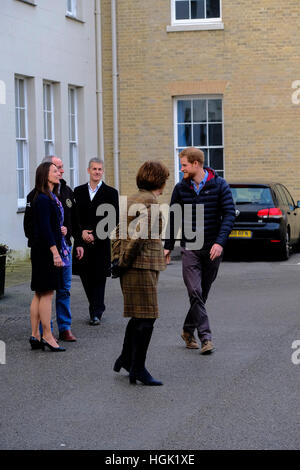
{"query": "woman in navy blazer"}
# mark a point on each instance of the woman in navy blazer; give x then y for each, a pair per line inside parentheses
(46, 258)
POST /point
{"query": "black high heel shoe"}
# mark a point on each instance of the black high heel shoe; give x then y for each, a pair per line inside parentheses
(35, 343)
(52, 348)
(143, 376)
(119, 364)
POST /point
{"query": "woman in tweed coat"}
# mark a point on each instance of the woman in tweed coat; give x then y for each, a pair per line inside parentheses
(141, 257)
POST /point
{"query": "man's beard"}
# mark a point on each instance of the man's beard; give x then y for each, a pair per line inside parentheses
(189, 175)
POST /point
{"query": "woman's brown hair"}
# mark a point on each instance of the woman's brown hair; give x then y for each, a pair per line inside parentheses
(152, 175)
(41, 180)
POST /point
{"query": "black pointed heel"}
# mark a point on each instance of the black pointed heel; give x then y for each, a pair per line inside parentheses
(35, 343)
(52, 348)
(119, 364)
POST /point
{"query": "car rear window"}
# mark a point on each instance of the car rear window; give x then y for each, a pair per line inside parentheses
(252, 195)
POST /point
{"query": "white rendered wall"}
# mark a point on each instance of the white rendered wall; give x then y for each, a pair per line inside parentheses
(42, 43)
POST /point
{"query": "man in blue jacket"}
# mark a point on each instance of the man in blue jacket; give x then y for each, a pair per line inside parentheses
(201, 185)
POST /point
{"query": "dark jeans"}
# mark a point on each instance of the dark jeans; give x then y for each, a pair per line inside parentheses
(95, 291)
(199, 272)
(63, 303)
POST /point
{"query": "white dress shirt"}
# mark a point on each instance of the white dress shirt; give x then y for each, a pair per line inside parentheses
(93, 191)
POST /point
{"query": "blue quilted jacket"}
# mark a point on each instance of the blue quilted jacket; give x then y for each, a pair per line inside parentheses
(219, 209)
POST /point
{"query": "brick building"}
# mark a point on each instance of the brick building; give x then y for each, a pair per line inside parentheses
(214, 74)
(133, 80)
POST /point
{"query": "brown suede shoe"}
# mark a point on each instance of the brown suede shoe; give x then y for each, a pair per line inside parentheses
(67, 335)
(207, 347)
(190, 340)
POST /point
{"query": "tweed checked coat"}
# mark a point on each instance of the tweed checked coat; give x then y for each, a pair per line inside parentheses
(141, 253)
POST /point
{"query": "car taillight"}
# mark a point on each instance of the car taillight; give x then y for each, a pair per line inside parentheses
(272, 213)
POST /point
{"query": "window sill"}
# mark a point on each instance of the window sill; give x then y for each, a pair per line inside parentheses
(75, 18)
(196, 27)
(29, 2)
(21, 210)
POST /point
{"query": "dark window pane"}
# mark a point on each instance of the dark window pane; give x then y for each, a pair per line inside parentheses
(45, 126)
(205, 151)
(215, 134)
(288, 197)
(182, 10)
(215, 110)
(20, 152)
(180, 172)
(220, 173)
(22, 124)
(22, 94)
(184, 111)
(197, 9)
(216, 158)
(17, 92)
(184, 135)
(18, 123)
(212, 8)
(199, 110)
(21, 185)
(281, 195)
(200, 135)
(71, 150)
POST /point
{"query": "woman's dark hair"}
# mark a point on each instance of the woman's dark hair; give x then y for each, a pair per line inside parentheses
(152, 175)
(41, 180)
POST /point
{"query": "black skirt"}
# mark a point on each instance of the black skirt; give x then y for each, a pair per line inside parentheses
(44, 276)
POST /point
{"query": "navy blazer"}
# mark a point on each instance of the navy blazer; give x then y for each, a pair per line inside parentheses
(47, 231)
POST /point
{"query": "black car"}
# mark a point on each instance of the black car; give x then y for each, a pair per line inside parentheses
(265, 214)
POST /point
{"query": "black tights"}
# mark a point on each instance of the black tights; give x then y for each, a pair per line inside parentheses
(136, 342)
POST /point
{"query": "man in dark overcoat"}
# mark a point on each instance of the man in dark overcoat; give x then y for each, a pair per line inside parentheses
(95, 265)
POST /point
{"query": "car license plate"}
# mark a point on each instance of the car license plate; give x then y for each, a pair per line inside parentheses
(240, 234)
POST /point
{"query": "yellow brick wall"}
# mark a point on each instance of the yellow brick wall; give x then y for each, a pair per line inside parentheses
(254, 60)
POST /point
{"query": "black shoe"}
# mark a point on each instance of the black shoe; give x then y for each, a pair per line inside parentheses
(94, 321)
(119, 364)
(35, 343)
(52, 348)
(143, 376)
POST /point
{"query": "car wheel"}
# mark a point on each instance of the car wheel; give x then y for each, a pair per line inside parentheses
(285, 248)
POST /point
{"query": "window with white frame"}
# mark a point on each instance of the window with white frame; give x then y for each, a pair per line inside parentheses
(199, 123)
(73, 136)
(195, 11)
(48, 101)
(72, 7)
(21, 139)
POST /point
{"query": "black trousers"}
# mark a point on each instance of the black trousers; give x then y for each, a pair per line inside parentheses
(95, 292)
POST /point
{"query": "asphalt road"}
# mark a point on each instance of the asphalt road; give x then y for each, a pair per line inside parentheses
(245, 396)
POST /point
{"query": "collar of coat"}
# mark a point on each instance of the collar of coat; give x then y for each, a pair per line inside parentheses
(211, 180)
